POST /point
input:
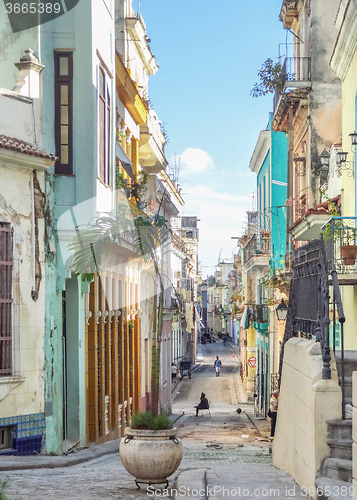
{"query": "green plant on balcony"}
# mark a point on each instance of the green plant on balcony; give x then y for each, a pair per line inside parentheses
(270, 75)
(134, 190)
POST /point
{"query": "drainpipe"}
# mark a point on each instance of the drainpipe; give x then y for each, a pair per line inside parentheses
(289, 209)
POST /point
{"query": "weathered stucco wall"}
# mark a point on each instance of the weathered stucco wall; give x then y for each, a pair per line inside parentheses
(23, 393)
(306, 402)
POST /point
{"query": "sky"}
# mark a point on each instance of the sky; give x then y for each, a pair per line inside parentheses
(208, 55)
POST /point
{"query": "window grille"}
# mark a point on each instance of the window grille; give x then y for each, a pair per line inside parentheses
(6, 266)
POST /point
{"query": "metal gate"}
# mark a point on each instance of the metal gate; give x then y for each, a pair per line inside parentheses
(308, 310)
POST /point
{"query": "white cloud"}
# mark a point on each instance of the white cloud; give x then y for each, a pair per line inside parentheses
(221, 216)
(195, 160)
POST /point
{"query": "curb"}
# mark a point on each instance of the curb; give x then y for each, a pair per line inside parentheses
(52, 462)
(192, 480)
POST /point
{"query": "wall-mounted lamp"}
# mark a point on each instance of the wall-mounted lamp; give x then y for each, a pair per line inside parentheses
(282, 311)
(353, 137)
(324, 160)
(347, 166)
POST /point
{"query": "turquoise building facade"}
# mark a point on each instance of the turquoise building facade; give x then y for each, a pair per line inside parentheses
(269, 162)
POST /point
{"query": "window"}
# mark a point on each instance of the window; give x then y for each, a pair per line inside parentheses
(6, 265)
(64, 112)
(104, 127)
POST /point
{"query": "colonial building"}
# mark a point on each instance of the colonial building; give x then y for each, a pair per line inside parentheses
(23, 253)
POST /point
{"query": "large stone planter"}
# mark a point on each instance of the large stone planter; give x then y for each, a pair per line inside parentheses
(150, 456)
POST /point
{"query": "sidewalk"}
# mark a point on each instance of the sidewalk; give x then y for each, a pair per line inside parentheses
(8, 463)
(249, 480)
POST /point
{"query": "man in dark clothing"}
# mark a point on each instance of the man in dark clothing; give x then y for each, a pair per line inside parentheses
(203, 404)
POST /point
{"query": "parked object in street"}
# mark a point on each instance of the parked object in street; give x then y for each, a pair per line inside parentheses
(203, 404)
(185, 366)
(207, 337)
(217, 365)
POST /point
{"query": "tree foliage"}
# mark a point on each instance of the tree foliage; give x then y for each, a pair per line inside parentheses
(270, 75)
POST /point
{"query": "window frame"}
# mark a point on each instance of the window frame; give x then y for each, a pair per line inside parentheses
(60, 80)
(104, 99)
(6, 297)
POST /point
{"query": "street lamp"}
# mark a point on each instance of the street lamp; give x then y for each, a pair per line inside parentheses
(282, 311)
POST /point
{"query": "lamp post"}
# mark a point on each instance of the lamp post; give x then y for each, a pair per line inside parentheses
(282, 311)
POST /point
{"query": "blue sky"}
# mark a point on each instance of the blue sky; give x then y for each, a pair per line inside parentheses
(209, 54)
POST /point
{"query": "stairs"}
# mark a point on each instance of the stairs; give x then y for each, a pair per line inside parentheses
(336, 480)
(350, 366)
(337, 468)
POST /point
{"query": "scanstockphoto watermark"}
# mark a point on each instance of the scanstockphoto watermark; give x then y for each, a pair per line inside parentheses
(24, 14)
(222, 492)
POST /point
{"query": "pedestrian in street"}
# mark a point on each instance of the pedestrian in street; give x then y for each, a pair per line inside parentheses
(173, 373)
(203, 404)
(273, 411)
(217, 365)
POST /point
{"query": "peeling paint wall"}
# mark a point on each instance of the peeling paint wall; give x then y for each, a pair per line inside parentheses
(24, 394)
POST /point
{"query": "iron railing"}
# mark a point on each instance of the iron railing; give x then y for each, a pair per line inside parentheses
(260, 313)
(274, 382)
(296, 70)
(256, 246)
(308, 310)
(340, 235)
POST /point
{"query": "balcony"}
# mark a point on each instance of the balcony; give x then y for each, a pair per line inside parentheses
(340, 234)
(289, 13)
(151, 146)
(296, 72)
(261, 317)
(296, 84)
(256, 253)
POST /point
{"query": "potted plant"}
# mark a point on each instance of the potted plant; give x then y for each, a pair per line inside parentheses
(337, 231)
(150, 450)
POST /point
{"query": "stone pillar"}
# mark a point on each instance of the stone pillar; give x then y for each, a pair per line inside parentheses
(28, 82)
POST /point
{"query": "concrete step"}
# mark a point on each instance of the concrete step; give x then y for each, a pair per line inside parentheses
(338, 468)
(330, 489)
(350, 361)
(348, 386)
(340, 448)
(339, 429)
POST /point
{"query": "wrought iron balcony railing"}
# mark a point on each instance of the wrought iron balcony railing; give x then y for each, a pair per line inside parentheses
(340, 236)
(260, 313)
(296, 71)
(257, 245)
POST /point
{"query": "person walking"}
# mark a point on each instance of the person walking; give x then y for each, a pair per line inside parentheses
(173, 373)
(273, 411)
(217, 365)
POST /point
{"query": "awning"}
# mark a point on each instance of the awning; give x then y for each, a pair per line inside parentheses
(124, 160)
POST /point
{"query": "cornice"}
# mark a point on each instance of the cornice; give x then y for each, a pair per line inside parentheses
(261, 150)
(346, 43)
(14, 159)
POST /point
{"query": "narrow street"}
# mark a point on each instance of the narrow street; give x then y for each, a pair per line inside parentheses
(224, 450)
(225, 394)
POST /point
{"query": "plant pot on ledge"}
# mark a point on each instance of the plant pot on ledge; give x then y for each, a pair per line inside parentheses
(348, 254)
(151, 456)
